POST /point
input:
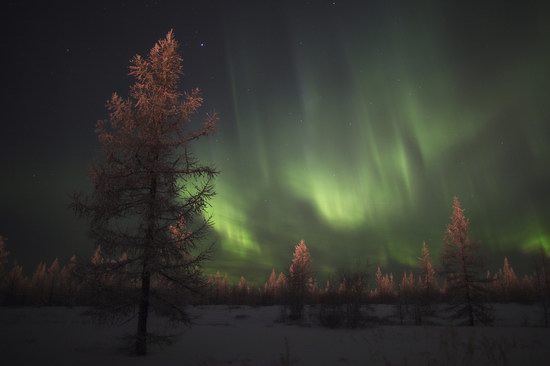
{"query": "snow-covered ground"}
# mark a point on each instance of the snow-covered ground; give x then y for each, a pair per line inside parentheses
(226, 335)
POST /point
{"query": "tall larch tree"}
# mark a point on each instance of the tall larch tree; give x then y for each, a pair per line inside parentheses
(300, 273)
(150, 192)
(462, 267)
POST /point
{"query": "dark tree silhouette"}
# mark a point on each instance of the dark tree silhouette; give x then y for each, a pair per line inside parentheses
(150, 192)
(462, 266)
(353, 293)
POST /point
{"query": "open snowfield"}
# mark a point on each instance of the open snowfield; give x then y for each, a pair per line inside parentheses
(226, 335)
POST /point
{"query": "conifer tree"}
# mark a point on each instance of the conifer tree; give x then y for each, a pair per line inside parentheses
(240, 291)
(281, 287)
(282, 281)
(407, 285)
(54, 282)
(219, 288)
(509, 279)
(352, 295)
(427, 276)
(426, 284)
(462, 266)
(384, 291)
(505, 282)
(271, 283)
(270, 287)
(150, 192)
(378, 279)
(243, 284)
(40, 286)
(300, 272)
(68, 284)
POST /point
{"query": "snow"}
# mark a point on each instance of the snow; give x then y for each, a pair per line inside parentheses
(224, 335)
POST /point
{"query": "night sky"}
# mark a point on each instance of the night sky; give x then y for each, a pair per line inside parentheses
(350, 124)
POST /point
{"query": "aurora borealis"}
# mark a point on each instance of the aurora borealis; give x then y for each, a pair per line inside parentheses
(348, 124)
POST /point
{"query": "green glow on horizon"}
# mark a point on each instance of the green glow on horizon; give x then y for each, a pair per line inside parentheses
(536, 238)
(536, 242)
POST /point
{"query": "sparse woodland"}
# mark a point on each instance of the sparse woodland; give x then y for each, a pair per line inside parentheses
(343, 301)
(284, 183)
(147, 218)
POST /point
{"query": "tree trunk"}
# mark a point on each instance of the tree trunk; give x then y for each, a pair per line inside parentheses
(141, 339)
(466, 279)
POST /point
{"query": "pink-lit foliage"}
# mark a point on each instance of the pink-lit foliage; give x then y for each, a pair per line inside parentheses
(300, 280)
(150, 193)
(68, 288)
(462, 265)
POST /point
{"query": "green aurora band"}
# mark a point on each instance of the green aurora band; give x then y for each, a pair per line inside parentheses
(356, 139)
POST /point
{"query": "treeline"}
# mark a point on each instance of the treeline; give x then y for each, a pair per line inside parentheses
(90, 282)
(460, 282)
(376, 287)
(53, 284)
(61, 284)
